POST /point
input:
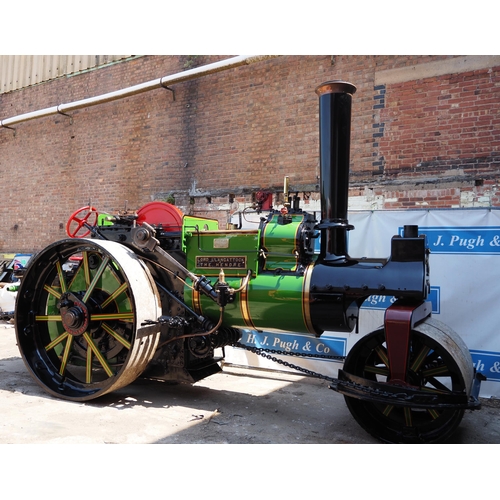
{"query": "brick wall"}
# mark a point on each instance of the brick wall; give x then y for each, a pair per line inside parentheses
(425, 142)
(442, 124)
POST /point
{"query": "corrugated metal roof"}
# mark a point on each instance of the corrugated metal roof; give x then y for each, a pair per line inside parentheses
(21, 71)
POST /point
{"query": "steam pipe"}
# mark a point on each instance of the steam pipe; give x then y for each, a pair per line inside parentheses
(183, 76)
(335, 99)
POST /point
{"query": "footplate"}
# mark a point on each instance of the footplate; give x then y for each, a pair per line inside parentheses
(397, 395)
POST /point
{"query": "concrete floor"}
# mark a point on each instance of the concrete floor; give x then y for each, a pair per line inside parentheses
(237, 406)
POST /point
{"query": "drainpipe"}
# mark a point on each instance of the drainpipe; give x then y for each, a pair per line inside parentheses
(163, 82)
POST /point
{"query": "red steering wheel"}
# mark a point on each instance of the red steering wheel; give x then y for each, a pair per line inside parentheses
(81, 217)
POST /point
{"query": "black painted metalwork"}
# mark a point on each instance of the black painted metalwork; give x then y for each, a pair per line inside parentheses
(335, 138)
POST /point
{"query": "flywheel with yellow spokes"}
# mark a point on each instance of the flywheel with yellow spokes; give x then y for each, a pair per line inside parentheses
(79, 318)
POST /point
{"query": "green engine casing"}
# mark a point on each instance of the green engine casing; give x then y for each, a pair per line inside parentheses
(276, 296)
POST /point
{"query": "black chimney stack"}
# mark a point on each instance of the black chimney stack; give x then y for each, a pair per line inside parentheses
(335, 98)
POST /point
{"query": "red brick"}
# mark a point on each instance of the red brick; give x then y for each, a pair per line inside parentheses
(244, 129)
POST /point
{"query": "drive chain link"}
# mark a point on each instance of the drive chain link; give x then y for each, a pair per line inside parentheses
(268, 354)
(398, 397)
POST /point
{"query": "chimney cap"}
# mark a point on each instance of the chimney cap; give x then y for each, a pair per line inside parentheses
(335, 87)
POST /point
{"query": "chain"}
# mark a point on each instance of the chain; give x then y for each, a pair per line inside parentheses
(263, 352)
(374, 393)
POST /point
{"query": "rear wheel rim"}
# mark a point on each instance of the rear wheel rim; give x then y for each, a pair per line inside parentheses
(78, 320)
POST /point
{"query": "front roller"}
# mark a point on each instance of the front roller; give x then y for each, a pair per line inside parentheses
(79, 316)
(439, 368)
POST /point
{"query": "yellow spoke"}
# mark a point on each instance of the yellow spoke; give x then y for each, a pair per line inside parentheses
(116, 336)
(377, 369)
(52, 291)
(76, 276)
(56, 341)
(62, 279)
(408, 419)
(48, 318)
(382, 355)
(98, 354)
(128, 316)
(86, 269)
(65, 356)
(420, 358)
(97, 277)
(115, 294)
(433, 413)
(432, 372)
(387, 410)
(88, 378)
(433, 390)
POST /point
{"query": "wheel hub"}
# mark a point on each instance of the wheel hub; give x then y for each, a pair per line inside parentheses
(75, 315)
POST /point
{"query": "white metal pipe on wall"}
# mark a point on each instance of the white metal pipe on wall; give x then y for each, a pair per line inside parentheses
(136, 89)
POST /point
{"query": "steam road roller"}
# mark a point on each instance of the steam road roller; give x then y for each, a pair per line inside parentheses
(155, 292)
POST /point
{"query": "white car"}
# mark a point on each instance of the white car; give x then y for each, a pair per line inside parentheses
(9, 284)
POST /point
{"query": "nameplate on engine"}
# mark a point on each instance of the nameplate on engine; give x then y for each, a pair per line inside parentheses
(215, 262)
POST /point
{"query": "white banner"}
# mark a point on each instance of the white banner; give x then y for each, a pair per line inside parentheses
(465, 253)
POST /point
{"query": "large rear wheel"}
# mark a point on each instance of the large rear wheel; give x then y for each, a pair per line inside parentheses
(79, 317)
(439, 362)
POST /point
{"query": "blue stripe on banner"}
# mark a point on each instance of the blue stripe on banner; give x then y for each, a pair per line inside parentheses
(380, 302)
(487, 363)
(477, 240)
(285, 342)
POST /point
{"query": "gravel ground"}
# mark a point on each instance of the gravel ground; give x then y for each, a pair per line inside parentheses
(237, 406)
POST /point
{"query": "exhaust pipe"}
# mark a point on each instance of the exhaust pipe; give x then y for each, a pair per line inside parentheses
(335, 100)
(338, 284)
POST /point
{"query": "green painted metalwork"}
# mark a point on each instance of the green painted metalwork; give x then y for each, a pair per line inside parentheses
(281, 242)
(273, 297)
(209, 250)
(271, 301)
(192, 225)
(102, 220)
